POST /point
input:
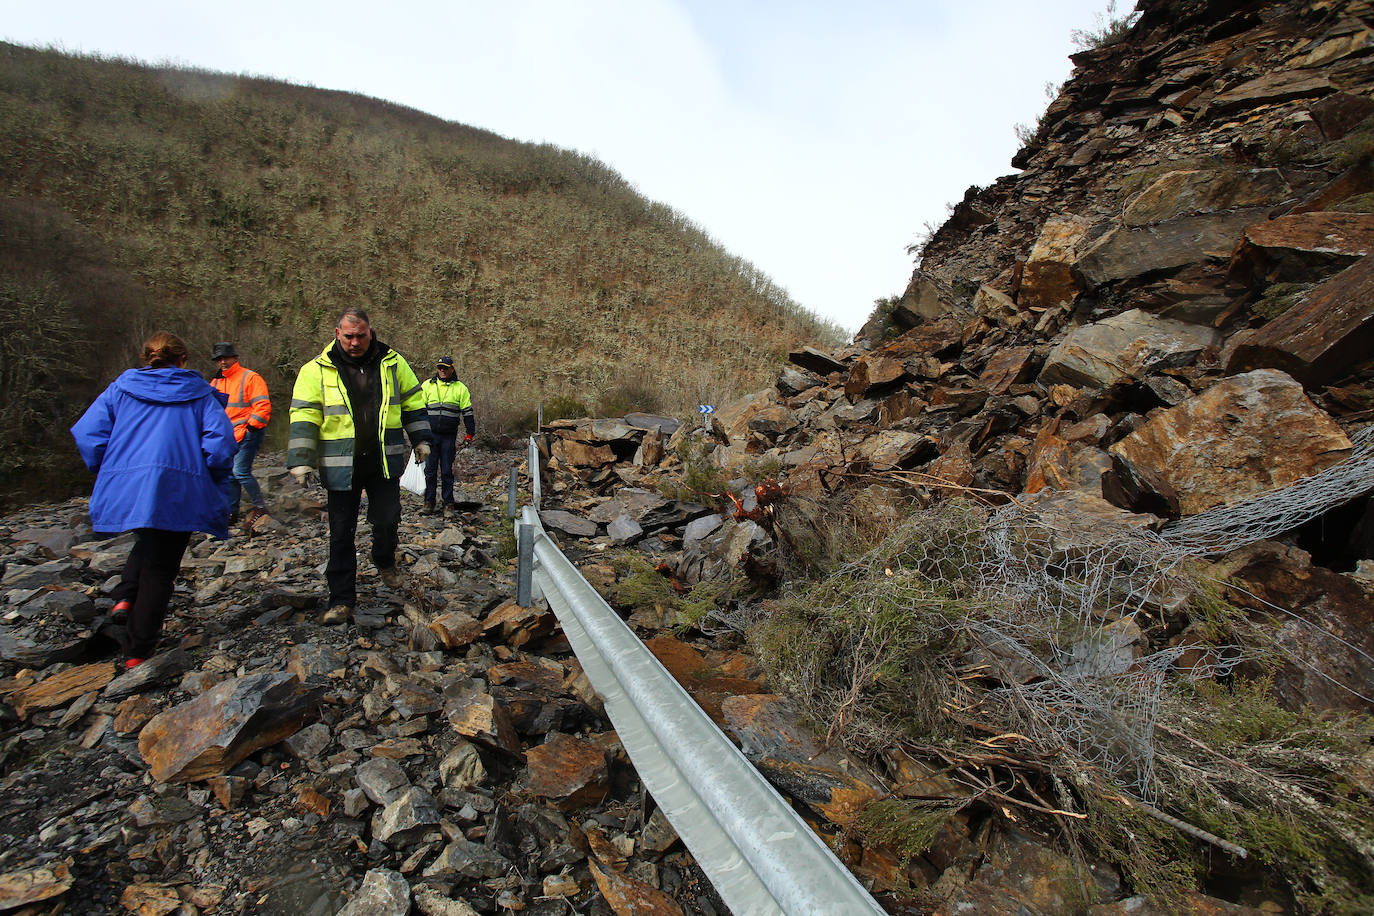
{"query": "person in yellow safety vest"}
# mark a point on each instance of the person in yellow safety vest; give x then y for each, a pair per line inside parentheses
(249, 410)
(448, 401)
(351, 410)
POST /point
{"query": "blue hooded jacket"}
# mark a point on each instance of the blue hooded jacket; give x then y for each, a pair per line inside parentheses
(162, 448)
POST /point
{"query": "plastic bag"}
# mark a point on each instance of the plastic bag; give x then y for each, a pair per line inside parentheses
(413, 477)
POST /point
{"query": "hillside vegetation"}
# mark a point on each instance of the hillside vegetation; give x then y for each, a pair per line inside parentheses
(221, 207)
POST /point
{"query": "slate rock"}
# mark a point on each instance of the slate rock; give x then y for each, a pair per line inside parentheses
(1320, 338)
(1273, 87)
(631, 501)
(63, 687)
(569, 771)
(582, 455)
(431, 901)
(1126, 252)
(1126, 346)
(626, 895)
(163, 668)
(771, 735)
(1288, 247)
(1244, 435)
(383, 893)
(455, 629)
(53, 542)
(34, 885)
(462, 767)
(816, 361)
(1008, 367)
(1048, 280)
(466, 859)
(516, 625)
(701, 527)
(56, 572)
(477, 715)
(311, 660)
(792, 381)
(209, 734)
(383, 780)
(1024, 874)
(309, 743)
(624, 530)
(406, 818)
(665, 425)
(1188, 192)
(566, 522)
(70, 603)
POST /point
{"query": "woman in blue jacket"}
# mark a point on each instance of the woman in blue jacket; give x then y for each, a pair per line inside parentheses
(163, 450)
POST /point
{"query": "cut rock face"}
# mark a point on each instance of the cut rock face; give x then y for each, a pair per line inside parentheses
(1242, 436)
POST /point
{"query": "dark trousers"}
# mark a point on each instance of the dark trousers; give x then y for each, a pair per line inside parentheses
(440, 464)
(383, 514)
(147, 582)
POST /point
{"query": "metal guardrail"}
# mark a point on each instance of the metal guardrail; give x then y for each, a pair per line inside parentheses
(759, 854)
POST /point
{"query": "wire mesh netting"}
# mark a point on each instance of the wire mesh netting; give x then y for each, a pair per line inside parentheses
(1270, 514)
(1044, 605)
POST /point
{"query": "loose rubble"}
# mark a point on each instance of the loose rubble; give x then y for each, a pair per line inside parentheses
(1165, 313)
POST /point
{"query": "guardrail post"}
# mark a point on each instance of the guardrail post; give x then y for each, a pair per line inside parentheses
(511, 509)
(524, 569)
(536, 483)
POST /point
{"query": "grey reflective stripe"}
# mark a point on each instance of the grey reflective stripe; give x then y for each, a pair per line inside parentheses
(297, 404)
(411, 392)
(259, 417)
(396, 449)
(308, 444)
(261, 397)
(417, 425)
(336, 461)
(336, 410)
(467, 411)
(447, 410)
(337, 446)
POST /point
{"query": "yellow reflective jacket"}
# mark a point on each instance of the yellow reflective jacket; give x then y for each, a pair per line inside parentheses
(448, 403)
(322, 419)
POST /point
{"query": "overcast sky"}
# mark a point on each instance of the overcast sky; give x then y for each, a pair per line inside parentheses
(812, 138)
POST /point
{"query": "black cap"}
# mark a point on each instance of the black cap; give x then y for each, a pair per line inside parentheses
(446, 361)
(223, 348)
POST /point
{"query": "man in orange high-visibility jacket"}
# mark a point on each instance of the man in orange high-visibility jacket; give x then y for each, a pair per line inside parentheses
(249, 410)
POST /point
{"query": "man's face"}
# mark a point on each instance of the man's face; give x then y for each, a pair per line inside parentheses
(225, 362)
(354, 336)
(445, 372)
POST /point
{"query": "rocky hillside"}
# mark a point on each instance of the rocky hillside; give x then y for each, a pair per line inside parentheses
(1052, 594)
(1083, 519)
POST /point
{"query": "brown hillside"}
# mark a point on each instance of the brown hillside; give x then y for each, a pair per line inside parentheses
(250, 209)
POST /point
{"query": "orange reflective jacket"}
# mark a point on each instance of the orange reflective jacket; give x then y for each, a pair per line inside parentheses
(248, 403)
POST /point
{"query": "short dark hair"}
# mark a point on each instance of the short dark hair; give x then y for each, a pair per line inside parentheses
(355, 313)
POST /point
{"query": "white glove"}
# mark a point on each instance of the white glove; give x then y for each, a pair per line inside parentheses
(302, 473)
(422, 453)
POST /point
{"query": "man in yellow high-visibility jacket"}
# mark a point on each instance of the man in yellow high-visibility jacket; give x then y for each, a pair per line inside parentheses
(349, 409)
(448, 402)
